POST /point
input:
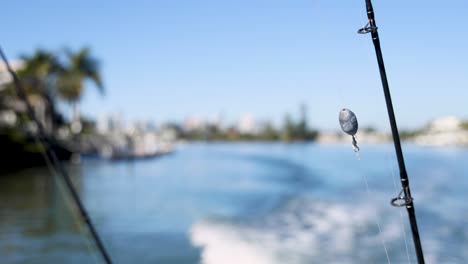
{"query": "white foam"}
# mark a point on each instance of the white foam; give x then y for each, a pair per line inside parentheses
(301, 232)
(222, 244)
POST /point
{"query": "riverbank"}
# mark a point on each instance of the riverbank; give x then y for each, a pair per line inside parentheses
(20, 151)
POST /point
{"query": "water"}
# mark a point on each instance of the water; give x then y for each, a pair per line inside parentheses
(242, 203)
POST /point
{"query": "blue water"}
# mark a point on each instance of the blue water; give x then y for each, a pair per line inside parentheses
(242, 203)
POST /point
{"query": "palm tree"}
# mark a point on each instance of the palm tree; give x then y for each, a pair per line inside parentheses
(81, 66)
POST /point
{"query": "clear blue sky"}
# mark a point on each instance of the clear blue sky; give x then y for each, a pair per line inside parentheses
(165, 60)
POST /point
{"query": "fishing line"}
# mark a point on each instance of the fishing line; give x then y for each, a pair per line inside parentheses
(341, 96)
(369, 48)
(53, 161)
(377, 219)
(349, 124)
(402, 224)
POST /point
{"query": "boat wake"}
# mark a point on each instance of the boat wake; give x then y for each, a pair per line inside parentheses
(302, 231)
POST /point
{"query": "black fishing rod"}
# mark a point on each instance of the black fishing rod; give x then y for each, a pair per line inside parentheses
(51, 157)
(404, 198)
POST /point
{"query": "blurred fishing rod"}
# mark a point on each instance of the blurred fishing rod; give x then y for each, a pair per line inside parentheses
(51, 157)
(404, 197)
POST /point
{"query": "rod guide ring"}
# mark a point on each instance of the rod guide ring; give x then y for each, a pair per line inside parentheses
(368, 28)
(403, 199)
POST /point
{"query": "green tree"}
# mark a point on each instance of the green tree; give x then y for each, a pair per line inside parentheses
(80, 67)
(288, 128)
(302, 127)
(369, 129)
(464, 125)
(37, 77)
(268, 132)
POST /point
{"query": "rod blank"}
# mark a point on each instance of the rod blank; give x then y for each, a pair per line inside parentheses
(396, 137)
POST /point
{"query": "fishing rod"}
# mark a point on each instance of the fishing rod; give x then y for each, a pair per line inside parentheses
(52, 157)
(404, 197)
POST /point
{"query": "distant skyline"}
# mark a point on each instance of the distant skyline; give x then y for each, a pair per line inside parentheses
(168, 60)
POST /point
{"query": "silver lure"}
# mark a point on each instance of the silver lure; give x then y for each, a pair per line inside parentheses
(349, 124)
